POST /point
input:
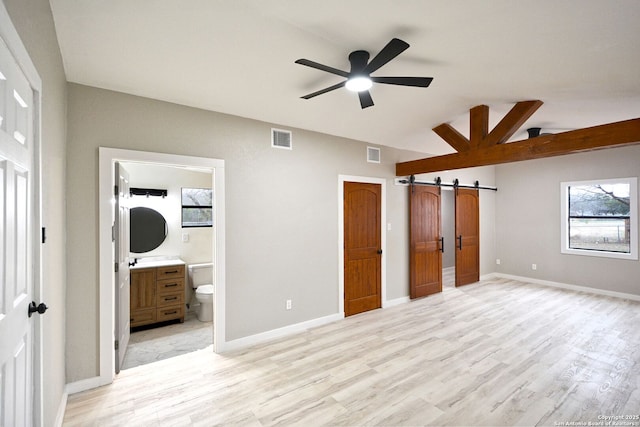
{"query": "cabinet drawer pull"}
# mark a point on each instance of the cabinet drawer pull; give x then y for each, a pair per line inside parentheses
(171, 272)
(170, 312)
(170, 285)
(170, 298)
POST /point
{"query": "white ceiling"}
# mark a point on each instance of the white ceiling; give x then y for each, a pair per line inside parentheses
(582, 58)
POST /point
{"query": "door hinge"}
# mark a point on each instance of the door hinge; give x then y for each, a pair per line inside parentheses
(115, 190)
(115, 267)
(113, 233)
(116, 345)
(44, 234)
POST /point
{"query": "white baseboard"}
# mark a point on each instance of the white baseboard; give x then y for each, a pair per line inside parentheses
(86, 384)
(397, 301)
(262, 337)
(587, 289)
(61, 409)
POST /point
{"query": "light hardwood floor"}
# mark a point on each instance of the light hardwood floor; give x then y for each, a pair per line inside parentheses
(498, 352)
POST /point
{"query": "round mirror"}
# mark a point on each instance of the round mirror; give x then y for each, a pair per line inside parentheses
(148, 229)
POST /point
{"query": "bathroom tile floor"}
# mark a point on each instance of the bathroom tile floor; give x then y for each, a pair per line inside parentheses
(164, 342)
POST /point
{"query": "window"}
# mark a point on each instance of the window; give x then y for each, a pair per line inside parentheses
(197, 207)
(600, 218)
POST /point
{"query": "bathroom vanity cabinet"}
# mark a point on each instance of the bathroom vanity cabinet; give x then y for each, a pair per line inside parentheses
(157, 294)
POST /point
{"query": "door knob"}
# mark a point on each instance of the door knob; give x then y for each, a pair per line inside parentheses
(40, 308)
(379, 251)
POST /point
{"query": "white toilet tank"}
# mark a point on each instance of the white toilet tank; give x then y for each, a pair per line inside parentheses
(200, 274)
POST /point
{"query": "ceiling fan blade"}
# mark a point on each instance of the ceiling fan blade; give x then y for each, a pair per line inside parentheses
(322, 67)
(365, 99)
(325, 90)
(394, 48)
(404, 81)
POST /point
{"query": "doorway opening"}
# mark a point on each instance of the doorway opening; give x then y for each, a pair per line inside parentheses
(162, 309)
(447, 209)
(215, 169)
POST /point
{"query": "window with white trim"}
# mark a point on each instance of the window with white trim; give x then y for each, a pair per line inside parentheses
(600, 218)
(197, 207)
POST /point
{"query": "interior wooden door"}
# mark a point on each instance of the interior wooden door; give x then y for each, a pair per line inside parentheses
(362, 247)
(425, 254)
(467, 236)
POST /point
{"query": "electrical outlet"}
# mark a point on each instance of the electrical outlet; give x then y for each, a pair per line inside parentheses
(498, 261)
(288, 304)
(534, 267)
(185, 237)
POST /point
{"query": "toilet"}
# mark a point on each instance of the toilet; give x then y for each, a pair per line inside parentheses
(201, 280)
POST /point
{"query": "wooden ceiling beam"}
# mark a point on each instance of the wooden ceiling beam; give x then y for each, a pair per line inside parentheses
(478, 125)
(452, 137)
(511, 122)
(593, 138)
(479, 135)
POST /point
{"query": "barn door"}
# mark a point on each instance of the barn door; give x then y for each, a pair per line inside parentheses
(362, 247)
(467, 236)
(122, 284)
(425, 265)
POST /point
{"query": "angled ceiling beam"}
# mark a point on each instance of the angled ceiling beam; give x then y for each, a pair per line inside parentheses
(510, 123)
(452, 137)
(593, 138)
(479, 135)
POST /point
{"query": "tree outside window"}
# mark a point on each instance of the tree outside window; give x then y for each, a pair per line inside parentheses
(197, 207)
(599, 217)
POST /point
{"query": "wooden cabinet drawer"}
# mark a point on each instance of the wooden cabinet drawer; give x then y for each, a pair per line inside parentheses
(174, 298)
(169, 286)
(170, 313)
(170, 272)
(157, 294)
(143, 317)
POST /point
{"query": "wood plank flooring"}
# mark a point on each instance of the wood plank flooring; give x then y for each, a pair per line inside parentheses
(496, 353)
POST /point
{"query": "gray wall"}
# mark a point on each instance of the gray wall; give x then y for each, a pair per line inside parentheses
(528, 220)
(34, 23)
(281, 210)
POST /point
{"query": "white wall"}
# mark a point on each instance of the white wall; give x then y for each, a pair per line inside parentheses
(281, 209)
(198, 248)
(33, 21)
(528, 220)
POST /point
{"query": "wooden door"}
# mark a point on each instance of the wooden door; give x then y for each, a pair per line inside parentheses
(17, 147)
(425, 254)
(467, 236)
(122, 285)
(362, 247)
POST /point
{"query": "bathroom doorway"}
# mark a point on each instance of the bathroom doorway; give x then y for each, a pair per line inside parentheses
(164, 322)
(215, 169)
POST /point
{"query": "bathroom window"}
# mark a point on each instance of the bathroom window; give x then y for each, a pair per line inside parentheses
(197, 207)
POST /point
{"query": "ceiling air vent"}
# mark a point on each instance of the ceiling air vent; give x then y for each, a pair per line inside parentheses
(281, 139)
(373, 155)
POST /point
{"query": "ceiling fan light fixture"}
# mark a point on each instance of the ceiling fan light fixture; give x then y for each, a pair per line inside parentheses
(359, 83)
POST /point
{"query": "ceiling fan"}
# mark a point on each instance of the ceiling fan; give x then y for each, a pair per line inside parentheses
(359, 79)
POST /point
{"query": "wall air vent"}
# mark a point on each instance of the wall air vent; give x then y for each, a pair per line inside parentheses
(281, 139)
(373, 155)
